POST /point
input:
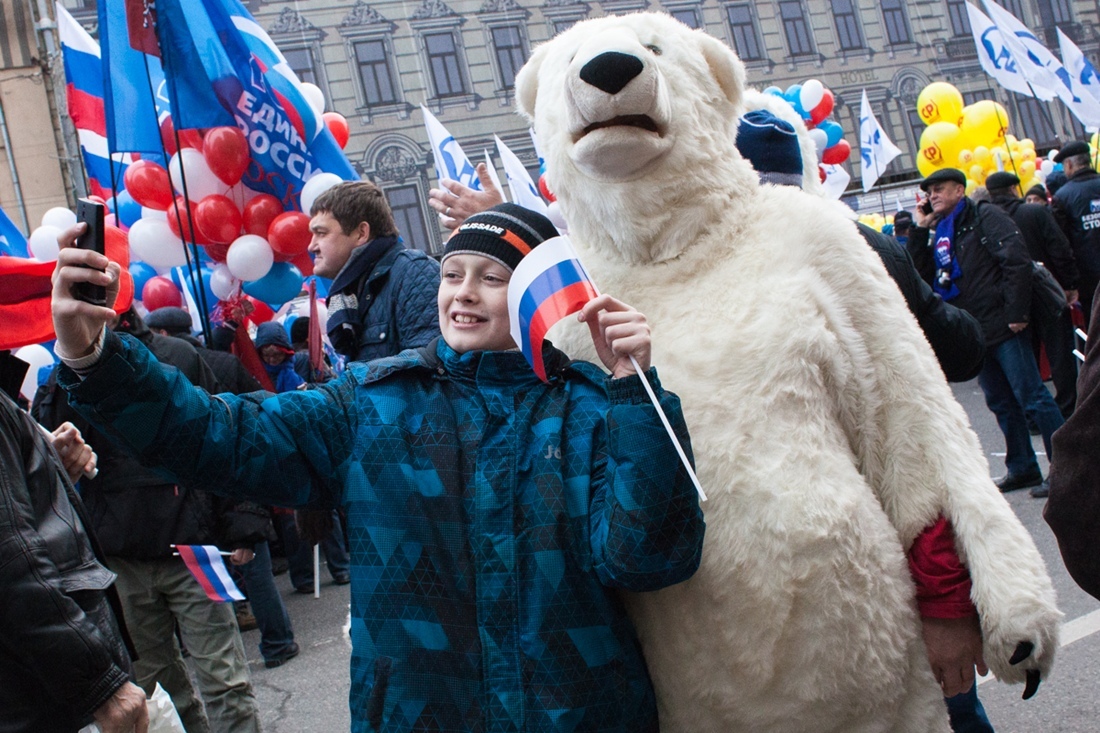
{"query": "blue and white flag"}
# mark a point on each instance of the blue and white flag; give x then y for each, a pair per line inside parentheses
(524, 191)
(222, 69)
(995, 57)
(13, 243)
(876, 149)
(450, 162)
(1080, 68)
(134, 98)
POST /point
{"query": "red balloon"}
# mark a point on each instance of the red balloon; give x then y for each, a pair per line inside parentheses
(837, 154)
(149, 184)
(160, 292)
(116, 245)
(188, 138)
(337, 124)
(544, 189)
(821, 174)
(216, 251)
(226, 152)
(180, 223)
(259, 213)
(218, 219)
(289, 234)
(823, 109)
(261, 313)
(97, 199)
(304, 263)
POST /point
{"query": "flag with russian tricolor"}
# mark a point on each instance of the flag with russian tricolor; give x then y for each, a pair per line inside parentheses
(548, 284)
(206, 564)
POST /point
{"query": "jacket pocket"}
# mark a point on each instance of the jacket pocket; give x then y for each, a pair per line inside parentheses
(374, 334)
(376, 703)
(89, 576)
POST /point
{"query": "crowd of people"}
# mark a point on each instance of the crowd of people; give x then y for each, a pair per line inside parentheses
(425, 423)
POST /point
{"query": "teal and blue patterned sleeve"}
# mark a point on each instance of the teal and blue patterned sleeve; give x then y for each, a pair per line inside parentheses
(646, 524)
(289, 449)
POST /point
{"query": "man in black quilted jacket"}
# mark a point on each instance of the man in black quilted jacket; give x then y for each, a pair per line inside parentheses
(383, 296)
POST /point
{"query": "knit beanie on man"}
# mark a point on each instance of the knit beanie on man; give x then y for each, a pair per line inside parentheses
(504, 233)
(770, 144)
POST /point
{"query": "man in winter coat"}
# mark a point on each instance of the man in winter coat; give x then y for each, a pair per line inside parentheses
(382, 298)
(138, 515)
(1046, 244)
(63, 658)
(1076, 205)
(494, 517)
(974, 257)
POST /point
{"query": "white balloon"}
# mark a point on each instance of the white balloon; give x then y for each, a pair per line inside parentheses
(315, 97)
(201, 181)
(557, 217)
(43, 243)
(820, 140)
(147, 213)
(152, 242)
(1051, 154)
(59, 217)
(250, 257)
(222, 282)
(813, 91)
(1047, 167)
(316, 186)
(37, 356)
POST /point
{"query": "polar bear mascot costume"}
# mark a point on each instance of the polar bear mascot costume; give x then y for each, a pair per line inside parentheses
(824, 432)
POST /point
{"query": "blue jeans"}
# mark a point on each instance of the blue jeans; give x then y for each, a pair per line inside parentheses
(967, 714)
(276, 633)
(1013, 389)
(299, 555)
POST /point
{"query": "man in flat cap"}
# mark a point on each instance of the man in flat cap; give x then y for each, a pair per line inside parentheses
(974, 256)
(1046, 244)
(1077, 209)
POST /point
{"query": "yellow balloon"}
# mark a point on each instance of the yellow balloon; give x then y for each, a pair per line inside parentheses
(1095, 141)
(966, 157)
(977, 173)
(970, 186)
(1011, 141)
(982, 156)
(939, 147)
(940, 101)
(984, 123)
(1027, 143)
(1028, 154)
(1026, 170)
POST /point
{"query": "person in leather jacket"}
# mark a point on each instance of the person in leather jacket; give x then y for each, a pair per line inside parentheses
(64, 660)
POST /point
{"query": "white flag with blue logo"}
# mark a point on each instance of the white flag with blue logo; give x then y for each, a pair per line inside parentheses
(1041, 67)
(995, 57)
(492, 171)
(523, 189)
(450, 162)
(1080, 68)
(876, 149)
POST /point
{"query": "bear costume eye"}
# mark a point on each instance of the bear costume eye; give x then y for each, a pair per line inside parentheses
(655, 49)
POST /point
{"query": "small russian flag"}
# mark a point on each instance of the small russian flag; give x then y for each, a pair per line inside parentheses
(206, 564)
(548, 284)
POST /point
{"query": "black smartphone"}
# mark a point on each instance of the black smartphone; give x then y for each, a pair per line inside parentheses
(91, 214)
(925, 207)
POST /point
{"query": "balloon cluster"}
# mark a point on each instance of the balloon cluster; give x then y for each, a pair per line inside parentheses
(247, 240)
(878, 222)
(973, 138)
(814, 103)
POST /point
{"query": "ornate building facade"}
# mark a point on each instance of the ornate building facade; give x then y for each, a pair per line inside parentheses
(378, 61)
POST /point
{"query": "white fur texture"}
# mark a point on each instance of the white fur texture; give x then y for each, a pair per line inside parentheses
(824, 432)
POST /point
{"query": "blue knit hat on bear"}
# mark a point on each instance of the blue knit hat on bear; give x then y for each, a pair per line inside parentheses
(770, 144)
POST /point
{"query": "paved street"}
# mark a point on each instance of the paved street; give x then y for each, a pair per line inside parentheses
(310, 692)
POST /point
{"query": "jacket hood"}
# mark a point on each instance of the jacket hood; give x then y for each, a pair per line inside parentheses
(271, 333)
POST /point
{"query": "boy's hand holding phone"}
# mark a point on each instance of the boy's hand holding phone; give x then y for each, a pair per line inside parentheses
(78, 323)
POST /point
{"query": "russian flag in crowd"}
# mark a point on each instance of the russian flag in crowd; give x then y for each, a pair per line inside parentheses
(221, 68)
(548, 284)
(84, 76)
(206, 564)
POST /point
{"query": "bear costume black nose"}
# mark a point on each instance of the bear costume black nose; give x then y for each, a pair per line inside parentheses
(611, 71)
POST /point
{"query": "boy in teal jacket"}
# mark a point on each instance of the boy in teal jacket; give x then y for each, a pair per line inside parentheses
(492, 517)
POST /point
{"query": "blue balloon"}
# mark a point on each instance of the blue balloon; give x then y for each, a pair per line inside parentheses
(281, 284)
(793, 95)
(833, 131)
(129, 210)
(141, 272)
(775, 91)
(323, 285)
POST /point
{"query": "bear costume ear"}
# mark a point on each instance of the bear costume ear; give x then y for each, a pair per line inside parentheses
(727, 69)
(527, 82)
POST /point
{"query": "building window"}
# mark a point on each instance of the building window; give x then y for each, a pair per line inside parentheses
(795, 28)
(960, 19)
(916, 129)
(510, 53)
(687, 16)
(897, 25)
(1035, 121)
(743, 29)
(1054, 12)
(847, 25)
(374, 72)
(409, 216)
(561, 26)
(301, 63)
(978, 95)
(444, 64)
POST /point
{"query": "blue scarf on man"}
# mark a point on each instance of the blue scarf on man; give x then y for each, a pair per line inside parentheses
(943, 252)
